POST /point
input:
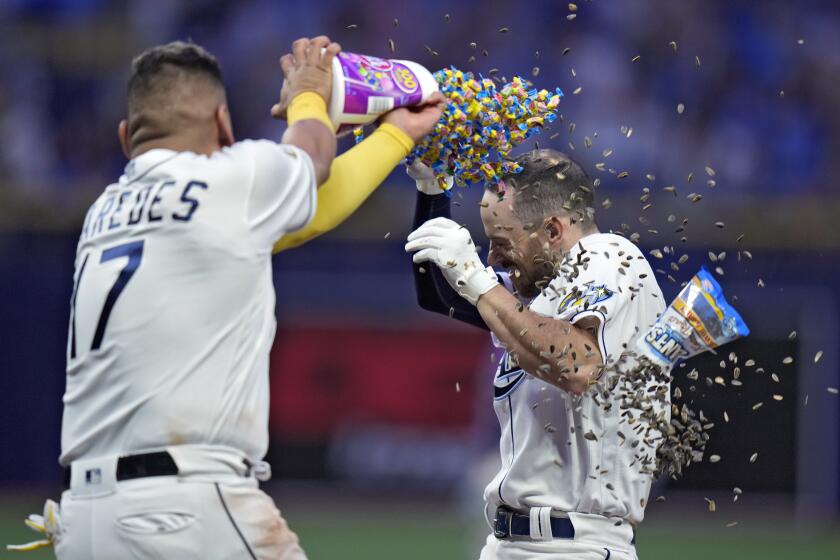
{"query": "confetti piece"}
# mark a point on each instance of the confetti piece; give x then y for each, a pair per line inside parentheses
(753, 457)
(817, 356)
(480, 126)
(833, 390)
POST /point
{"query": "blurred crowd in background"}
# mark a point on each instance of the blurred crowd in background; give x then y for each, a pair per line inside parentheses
(757, 80)
(735, 101)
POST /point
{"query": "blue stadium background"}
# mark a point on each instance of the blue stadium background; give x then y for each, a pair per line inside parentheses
(744, 111)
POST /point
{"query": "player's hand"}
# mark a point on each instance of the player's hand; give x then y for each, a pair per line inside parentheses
(450, 246)
(307, 68)
(419, 120)
(425, 178)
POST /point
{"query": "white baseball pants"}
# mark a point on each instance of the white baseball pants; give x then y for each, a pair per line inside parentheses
(195, 515)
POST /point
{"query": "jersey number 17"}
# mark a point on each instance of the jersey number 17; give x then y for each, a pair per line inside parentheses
(133, 251)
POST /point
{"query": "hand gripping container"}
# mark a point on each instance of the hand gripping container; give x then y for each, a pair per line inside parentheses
(364, 87)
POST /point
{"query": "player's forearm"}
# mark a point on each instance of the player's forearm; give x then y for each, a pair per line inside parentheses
(311, 130)
(433, 291)
(552, 350)
(353, 177)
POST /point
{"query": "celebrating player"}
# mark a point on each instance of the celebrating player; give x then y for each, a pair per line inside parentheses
(172, 312)
(574, 479)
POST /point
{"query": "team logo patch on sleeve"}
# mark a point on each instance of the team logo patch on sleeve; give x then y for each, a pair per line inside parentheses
(582, 299)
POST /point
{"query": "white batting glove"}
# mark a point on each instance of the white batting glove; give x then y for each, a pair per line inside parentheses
(451, 248)
(425, 178)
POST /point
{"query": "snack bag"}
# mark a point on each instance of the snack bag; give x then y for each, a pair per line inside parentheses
(699, 319)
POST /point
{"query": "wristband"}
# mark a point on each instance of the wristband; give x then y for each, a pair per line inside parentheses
(309, 105)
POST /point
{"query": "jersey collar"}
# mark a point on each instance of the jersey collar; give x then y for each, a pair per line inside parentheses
(143, 164)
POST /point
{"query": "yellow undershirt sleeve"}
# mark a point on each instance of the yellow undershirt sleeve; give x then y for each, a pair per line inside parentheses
(308, 105)
(354, 175)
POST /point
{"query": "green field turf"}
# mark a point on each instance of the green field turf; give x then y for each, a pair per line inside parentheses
(369, 534)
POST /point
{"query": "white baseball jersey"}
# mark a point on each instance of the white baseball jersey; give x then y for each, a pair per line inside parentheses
(566, 452)
(172, 312)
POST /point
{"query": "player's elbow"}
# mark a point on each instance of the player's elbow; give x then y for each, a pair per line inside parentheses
(428, 304)
(581, 379)
(574, 381)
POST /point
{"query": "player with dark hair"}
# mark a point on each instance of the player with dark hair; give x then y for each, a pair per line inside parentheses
(572, 482)
(172, 312)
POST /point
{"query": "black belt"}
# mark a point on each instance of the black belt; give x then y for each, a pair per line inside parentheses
(509, 524)
(158, 463)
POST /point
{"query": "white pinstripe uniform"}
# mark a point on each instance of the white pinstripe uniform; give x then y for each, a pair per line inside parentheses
(563, 455)
(172, 320)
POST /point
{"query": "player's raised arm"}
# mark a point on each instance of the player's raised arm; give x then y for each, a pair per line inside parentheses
(433, 292)
(557, 338)
(308, 73)
(356, 174)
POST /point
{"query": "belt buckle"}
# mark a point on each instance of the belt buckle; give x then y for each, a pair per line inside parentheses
(501, 524)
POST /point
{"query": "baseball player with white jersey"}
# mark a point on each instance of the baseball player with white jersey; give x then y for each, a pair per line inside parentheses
(172, 311)
(575, 475)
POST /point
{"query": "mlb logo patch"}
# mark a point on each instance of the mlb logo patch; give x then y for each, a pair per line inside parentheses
(93, 476)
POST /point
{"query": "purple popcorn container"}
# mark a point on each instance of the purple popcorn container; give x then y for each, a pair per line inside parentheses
(365, 87)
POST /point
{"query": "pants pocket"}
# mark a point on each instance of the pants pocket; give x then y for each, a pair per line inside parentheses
(159, 534)
(155, 522)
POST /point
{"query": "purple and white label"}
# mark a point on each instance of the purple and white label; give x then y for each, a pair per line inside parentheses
(376, 85)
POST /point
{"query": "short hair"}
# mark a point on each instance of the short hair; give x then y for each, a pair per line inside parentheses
(551, 183)
(158, 70)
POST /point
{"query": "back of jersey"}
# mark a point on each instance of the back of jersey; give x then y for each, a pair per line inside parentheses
(172, 312)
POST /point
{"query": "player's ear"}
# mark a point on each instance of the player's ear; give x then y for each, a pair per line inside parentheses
(224, 126)
(554, 228)
(122, 132)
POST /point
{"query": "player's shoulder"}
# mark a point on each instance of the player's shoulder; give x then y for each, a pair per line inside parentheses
(600, 253)
(252, 148)
(607, 245)
(604, 259)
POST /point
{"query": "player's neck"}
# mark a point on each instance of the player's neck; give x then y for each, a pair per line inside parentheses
(568, 243)
(177, 143)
